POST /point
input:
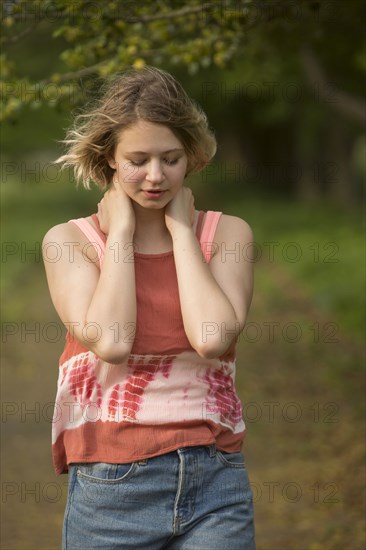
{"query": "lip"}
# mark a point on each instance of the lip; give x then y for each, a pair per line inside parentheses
(153, 194)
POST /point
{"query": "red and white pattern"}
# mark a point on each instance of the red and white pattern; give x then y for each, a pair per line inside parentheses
(83, 384)
(147, 389)
(221, 397)
(129, 396)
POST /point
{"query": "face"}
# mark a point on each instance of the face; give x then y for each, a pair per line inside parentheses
(150, 164)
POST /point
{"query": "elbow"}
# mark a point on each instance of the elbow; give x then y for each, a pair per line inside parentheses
(113, 357)
(215, 338)
(212, 350)
(112, 353)
(108, 345)
(214, 344)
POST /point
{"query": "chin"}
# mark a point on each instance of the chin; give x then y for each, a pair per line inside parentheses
(150, 205)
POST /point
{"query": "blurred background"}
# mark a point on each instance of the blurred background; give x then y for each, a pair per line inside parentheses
(282, 83)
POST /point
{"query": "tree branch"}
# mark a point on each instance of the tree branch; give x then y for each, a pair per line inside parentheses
(73, 75)
(343, 102)
(171, 14)
(57, 14)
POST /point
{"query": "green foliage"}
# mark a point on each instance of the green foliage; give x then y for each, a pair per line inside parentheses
(98, 39)
(319, 246)
(261, 70)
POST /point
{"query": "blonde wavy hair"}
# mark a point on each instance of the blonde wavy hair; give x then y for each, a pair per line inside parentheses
(147, 94)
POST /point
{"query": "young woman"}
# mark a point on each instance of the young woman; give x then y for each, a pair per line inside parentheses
(154, 294)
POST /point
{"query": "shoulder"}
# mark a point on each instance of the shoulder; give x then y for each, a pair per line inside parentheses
(65, 238)
(233, 234)
(233, 228)
(68, 230)
(58, 233)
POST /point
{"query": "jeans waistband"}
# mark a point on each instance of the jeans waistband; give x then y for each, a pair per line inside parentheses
(211, 449)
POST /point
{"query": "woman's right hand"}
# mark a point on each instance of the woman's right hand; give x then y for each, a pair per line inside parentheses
(115, 211)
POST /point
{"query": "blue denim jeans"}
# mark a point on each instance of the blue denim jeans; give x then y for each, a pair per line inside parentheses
(194, 498)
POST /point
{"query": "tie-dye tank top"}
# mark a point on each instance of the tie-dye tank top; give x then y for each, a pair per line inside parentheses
(165, 396)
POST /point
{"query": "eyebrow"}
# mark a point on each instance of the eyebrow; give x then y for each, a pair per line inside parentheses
(145, 153)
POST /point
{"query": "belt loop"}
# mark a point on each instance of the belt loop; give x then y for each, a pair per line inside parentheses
(212, 450)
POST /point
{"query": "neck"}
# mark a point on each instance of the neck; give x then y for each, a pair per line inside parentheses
(150, 223)
(147, 218)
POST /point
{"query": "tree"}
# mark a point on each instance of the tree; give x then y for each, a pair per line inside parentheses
(320, 42)
(102, 38)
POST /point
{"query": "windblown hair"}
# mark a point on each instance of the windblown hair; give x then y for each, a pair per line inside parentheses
(147, 94)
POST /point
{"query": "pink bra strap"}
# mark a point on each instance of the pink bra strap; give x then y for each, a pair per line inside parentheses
(92, 235)
(207, 243)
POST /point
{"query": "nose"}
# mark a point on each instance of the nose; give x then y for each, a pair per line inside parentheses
(154, 172)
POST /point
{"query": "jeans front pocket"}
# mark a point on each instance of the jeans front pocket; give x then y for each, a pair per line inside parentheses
(104, 472)
(231, 460)
(101, 493)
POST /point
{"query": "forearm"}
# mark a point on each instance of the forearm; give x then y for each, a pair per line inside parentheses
(208, 316)
(113, 306)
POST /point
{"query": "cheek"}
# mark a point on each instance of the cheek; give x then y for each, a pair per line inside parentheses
(181, 176)
(128, 173)
(178, 173)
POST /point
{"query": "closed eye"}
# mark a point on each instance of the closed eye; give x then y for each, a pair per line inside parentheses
(169, 162)
(137, 163)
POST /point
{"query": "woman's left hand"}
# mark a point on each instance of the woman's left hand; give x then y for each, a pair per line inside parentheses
(180, 210)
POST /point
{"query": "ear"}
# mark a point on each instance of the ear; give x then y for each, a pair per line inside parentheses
(112, 163)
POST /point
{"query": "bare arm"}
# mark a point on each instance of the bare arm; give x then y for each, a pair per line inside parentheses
(99, 307)
(215, 298)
